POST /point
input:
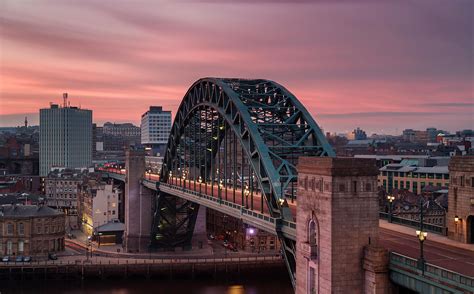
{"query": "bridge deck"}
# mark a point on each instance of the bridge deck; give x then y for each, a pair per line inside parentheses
(443, 255)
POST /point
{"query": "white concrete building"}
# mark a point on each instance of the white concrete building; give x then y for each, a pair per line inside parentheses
(155, 127)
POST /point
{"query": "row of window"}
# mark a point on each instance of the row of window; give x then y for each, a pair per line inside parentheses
(10, 229)
(9, 247)
(47, 230)
(65, 196)
(416, 175)
(406, 185)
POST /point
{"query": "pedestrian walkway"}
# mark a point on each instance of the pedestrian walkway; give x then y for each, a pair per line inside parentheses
(432, 236)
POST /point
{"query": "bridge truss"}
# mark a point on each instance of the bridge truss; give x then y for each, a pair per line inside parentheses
(237, 140)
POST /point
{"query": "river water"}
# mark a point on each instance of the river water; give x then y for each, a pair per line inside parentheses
(276, 285)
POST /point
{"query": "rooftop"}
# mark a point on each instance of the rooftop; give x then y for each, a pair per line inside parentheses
(13, 211)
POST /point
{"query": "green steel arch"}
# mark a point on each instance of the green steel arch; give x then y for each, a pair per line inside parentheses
(271, 126)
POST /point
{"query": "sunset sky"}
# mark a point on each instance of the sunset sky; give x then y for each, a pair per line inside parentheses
(380, 65)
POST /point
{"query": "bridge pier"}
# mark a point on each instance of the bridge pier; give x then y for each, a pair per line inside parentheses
(138, 204)
(337, 220)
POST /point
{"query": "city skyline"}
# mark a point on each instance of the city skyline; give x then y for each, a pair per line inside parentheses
(391, 65)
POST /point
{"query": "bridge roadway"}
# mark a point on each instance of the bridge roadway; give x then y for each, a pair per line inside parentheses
(443, 255)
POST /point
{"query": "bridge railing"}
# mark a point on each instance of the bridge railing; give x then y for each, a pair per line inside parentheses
(413, 223)
(242, 209)
(433, 272)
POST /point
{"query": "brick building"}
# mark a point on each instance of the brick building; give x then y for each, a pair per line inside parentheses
(61, 188)
(30, 230)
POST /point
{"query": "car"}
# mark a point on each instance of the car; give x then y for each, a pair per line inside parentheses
(19, 259)
(27, 259)
(52, 256)
(6, 259)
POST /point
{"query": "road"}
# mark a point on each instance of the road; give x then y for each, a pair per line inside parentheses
(442, 255)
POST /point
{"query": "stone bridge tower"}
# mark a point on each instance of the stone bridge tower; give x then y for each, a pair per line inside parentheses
(337, 228)
(138, 204)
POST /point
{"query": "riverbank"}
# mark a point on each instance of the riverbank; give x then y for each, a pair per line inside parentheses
(162, 269)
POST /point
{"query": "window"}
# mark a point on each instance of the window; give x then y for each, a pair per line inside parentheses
(368, 187)
(312, 232)
(342, 188)
(20, 246)
(38, 229)
(21, 229)
(407, 185)
(9, 229)
(9, 247)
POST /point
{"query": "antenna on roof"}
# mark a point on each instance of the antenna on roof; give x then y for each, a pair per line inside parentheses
(65, 100)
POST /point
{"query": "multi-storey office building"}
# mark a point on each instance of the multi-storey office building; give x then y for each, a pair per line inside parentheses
(61, 188)
(65, 137)
(155, 128)
(30, 230)
(412, 178)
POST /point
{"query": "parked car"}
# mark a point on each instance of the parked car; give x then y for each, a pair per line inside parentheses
(19, 259)
(52, 256)
(27, 259)
(6, 259)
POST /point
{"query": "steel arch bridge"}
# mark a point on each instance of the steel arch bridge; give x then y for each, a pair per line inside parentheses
(239, 139)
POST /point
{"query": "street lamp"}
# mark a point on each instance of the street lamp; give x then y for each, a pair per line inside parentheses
(200, 186)
(89, 245)
(456, 219)
(390, 199)
(421, 237)
(184, 179)
(246, 193)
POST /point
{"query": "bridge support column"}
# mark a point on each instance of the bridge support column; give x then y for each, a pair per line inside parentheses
(138, 204)
(199, 239)
(376, 276)
(337, 216)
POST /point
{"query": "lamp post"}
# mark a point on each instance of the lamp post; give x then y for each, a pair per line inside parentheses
(200, 184)
(89, 245)
(390, 199)
(457, 220)
(246, 194)
(184, 179)
(421, 237)
(221, 186)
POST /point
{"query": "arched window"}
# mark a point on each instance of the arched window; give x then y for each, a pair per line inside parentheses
(312, 237)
